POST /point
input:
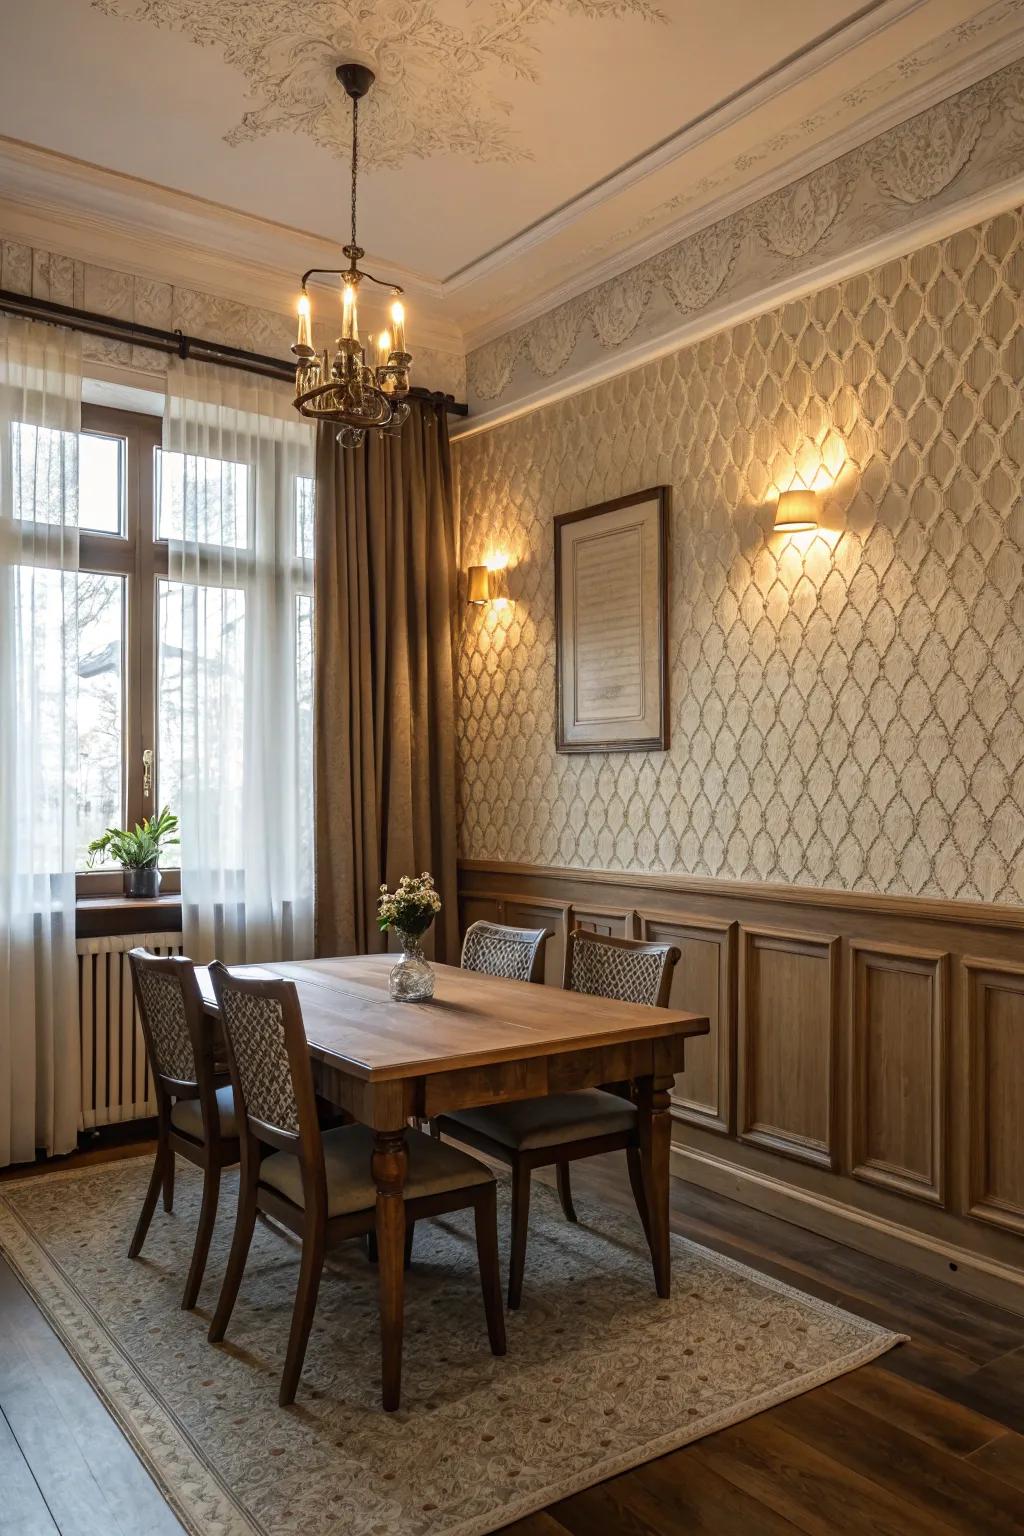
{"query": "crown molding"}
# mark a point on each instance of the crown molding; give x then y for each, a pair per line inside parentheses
(94, 215)
(949, 82)
(917, 232)
(873, 20)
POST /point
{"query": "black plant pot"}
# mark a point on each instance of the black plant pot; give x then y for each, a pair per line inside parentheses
(142, 881)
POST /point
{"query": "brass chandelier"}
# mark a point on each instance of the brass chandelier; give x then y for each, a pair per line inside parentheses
(347, 390)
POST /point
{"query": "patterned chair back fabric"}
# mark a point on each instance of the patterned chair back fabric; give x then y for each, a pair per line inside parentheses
(627, 970)
(255, 1028)
(162, 1004)
(495, 950)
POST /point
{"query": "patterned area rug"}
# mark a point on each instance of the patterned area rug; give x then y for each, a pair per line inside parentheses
(600, 1375)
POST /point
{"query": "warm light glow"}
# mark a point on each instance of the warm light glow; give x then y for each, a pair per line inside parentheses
(383, 348)
(305, 309)
(796, 512)
(349, 325)
(398, 324)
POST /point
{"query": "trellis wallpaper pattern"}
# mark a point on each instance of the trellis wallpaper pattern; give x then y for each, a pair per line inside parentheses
(847, 708)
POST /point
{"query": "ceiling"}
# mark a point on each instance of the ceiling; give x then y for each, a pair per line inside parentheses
(512, 149)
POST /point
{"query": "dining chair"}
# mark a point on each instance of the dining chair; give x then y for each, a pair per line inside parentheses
(559, 1129)
(494, 949)
(195, 1105)
(318, 1184)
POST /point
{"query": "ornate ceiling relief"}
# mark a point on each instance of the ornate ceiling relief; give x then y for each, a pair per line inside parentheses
(978, 133)
(434, 92)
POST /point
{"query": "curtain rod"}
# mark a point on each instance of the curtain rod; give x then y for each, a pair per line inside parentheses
(178, 342)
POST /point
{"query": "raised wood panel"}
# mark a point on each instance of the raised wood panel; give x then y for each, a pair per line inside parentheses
(524, 912)
(897, 1093)
(786, 1043)
(613, 922)
(479, 908)
(703, 983)
(994, 1018)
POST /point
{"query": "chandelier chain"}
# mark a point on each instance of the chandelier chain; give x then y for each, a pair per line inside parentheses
(355, 161)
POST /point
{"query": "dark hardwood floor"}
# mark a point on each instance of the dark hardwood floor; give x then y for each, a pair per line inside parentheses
(927, 1441)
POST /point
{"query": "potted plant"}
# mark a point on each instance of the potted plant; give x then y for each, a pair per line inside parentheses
(410, 910)
(138, 851)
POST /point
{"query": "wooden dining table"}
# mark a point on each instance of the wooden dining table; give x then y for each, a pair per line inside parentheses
(480, 1040)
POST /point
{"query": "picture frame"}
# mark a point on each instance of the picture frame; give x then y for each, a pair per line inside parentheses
(611, 625)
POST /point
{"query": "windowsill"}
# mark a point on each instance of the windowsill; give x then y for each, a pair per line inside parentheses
(114, 902)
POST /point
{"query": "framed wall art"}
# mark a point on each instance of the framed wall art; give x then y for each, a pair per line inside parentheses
(611, 624)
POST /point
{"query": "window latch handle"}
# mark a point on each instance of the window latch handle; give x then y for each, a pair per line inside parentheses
(147, 772)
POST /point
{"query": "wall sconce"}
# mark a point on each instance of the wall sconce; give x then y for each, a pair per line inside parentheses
(796, 512)
(478, 585)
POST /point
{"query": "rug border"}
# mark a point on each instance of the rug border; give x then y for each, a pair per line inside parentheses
(197, 1525)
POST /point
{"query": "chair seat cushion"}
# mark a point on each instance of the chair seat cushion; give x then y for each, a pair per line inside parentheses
(187, 1116)
(529, 1124)
(435, 1168)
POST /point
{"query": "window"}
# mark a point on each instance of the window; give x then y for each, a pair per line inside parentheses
(159, 663)
(120, 561)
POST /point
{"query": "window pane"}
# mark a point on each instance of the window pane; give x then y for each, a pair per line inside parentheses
(305, 510)
(100, 482)
(205, 501)
(99, 661)
(200, 705)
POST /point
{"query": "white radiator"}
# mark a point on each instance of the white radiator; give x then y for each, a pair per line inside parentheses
(116, 1081)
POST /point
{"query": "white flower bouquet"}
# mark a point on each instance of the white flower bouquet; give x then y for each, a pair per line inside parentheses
(411, 908)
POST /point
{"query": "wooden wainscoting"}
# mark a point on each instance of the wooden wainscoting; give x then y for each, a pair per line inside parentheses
(862, 1075)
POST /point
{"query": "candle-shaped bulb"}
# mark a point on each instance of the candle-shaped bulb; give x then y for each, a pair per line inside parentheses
(349, 325)
(383, 349)
(398, 325)
(304, 337)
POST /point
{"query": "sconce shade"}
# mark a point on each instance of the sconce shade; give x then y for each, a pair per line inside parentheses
(478, 585)
(796, 512)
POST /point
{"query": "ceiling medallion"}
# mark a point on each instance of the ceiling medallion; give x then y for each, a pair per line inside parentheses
(347, 390)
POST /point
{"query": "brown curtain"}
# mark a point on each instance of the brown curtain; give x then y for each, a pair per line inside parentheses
(386, 582)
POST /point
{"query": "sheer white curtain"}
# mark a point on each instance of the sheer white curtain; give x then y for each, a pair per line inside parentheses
(40, 414)
(235, 665)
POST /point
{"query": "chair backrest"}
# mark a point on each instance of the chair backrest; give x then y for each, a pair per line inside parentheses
(171, 1009)
(268, 1058)
(630, 970)
(496, 950)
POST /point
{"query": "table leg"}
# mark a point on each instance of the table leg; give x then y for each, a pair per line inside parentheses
(655, 1128)
(389, 1166)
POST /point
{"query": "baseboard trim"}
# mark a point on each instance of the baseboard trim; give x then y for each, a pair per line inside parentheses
(973, 1273)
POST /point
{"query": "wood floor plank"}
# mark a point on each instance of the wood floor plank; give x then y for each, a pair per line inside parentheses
(807, 1486)
(542, 1524)
(957, 1494)
(1003, 1458)
(917, 1409)
(89, 1475)
(23, 1510)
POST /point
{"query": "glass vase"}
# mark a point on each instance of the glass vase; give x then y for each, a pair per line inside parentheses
(412, 979)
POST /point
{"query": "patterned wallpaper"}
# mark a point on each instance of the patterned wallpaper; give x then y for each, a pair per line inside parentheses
(175, 306)
(847, 708)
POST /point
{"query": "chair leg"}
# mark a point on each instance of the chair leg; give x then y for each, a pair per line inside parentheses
(565, 1191)
(169, 1180)
(410, 1228)
(520, 1222)
(204, 1232)
(156, 1179)
(302, 1317)
(636, 1183)
(245, 1221)
(371, 1246)
(485, 1215)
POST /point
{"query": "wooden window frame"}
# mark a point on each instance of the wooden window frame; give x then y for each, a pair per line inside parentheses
(141, 558)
